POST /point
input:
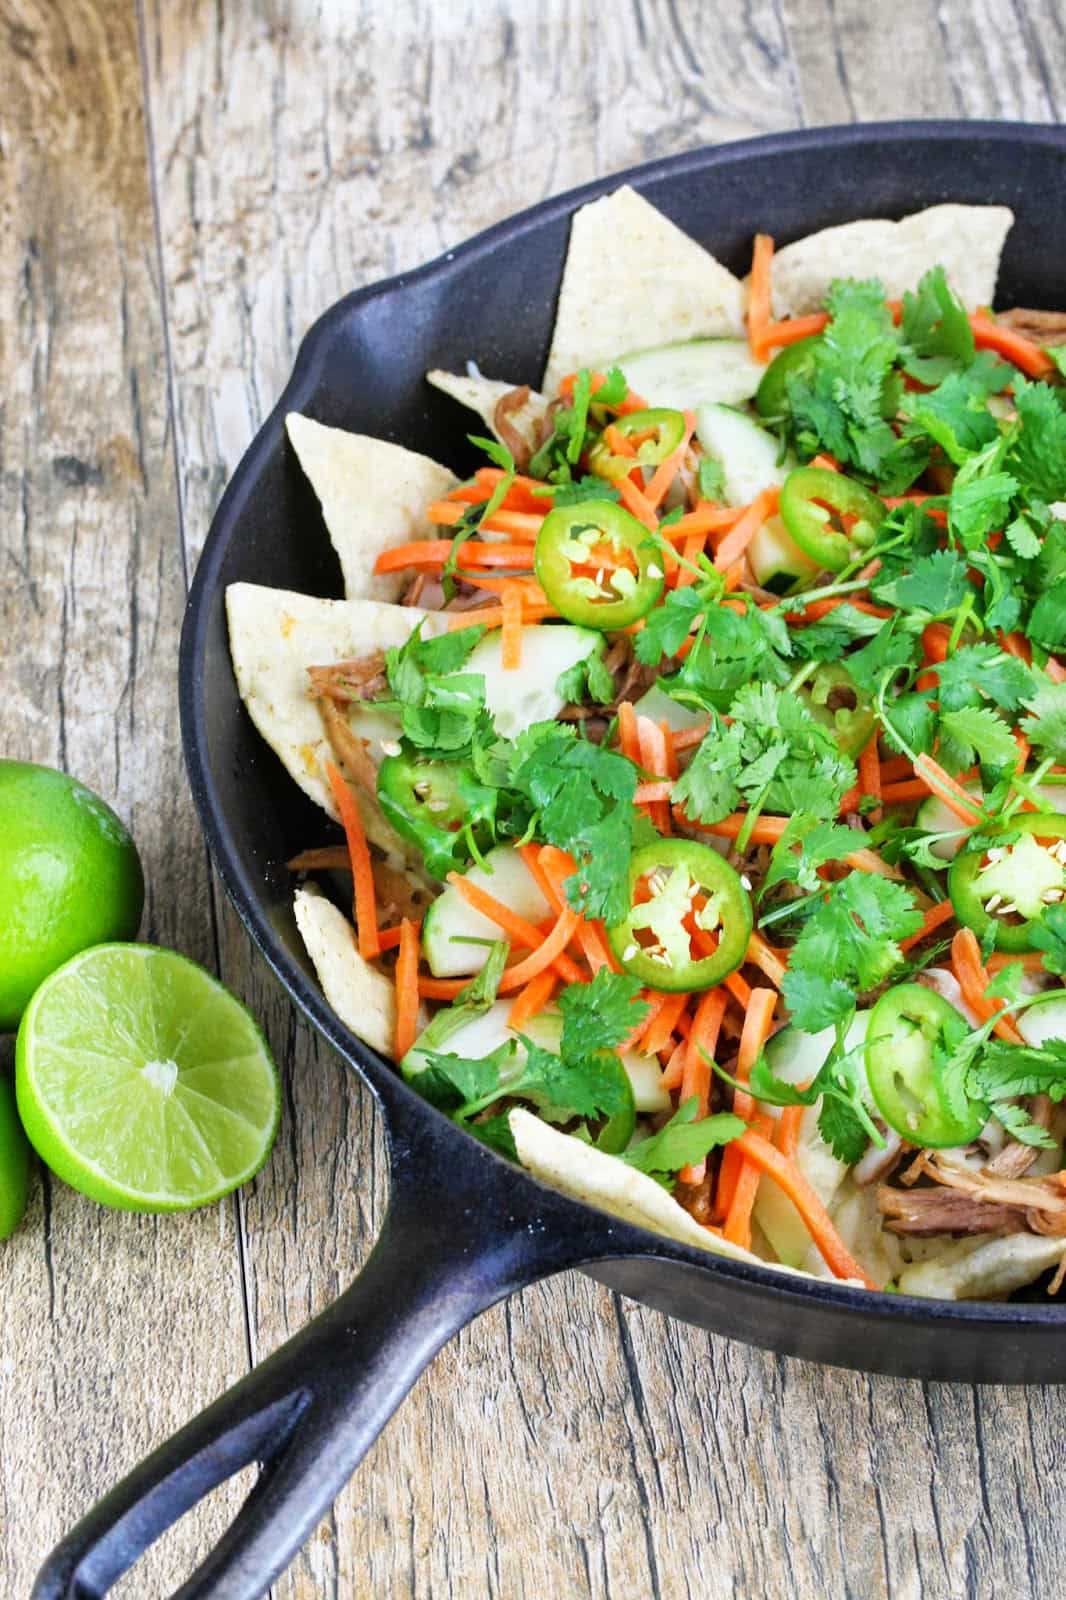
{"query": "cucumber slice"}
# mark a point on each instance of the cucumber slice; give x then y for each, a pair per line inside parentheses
(1044, 1022)
(693, 373)
(749, 455)
(660, 707)
(796, 1057)
(517, 699)
(777, 560)
(485, 1033)
(450, 919)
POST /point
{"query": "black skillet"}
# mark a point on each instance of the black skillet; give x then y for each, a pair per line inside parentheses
(463, 1228)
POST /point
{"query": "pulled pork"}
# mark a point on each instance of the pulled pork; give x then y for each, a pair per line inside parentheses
(966, 1202)
(1043, 327)
(362, 679)
(508, 403)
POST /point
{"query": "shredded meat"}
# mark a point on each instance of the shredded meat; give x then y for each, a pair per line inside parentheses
(397, 896)
(1041, 1194)
(1043, 327)
(349, 752)
(1016, 1158)
(930, 1211)
(321, 858)
(413, 593)
(510, 402)
(349, 680)
(635, 679)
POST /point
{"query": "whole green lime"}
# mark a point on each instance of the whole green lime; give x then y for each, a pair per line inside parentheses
(70, 877)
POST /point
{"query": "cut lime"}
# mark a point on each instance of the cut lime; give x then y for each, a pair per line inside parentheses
(142, 1082)
(14, 1161)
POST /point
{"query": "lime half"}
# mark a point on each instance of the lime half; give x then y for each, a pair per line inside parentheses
(142, 1082)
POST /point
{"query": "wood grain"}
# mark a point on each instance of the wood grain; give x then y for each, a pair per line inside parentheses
(570, 1443)
(113, 1328)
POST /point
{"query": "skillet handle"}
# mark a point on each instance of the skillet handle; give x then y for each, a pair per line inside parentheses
(457, 1237)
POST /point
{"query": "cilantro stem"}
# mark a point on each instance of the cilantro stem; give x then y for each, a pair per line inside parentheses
(799, 602)
(1026, 789)
(804, 672)
(962, 616)
(751, 818)
(779, 913)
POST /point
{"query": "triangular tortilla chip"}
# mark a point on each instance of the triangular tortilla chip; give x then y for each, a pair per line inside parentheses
(362, 997)
(601, 1180)
(483, 394)
(373, 494)
(275, 635)
(634, 281)
(966, 241)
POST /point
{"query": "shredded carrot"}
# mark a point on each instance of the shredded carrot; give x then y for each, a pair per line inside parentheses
(954, 796)
(628, 736)
(659, 1028)
(435, 552)
(738, 988)
(446, 513)
(737, 540)
(511, 632)
(636, 502)
(737, 1228)
(990, 335)
(895, 769)
(973, 981)
(552, 949)
(518, 930)
(762, 956)
(776, 335)
(704, 518)
(653, 759)
(934, 918)
(685, 738)
(492, 616)
(765, 830)
(655, 1000)
(364, 910)
(816, 1218)
(786, 1134)
(696, 1074)
(870, 777)
(759, 313)
(674, 1070)
(691, 552)
(617, 443)
(406, 989)
(553, 868)
(1032, 961)
(900, 793)
(758, 1021)
(441, 988)
(533, 998)
(389, 938)
(936, 637)
(656, 488)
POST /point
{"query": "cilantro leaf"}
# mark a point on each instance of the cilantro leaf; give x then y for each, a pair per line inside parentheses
(667, 626)
(853, 934)
(1049, 935)
(842, 1129)
(1045, 726)
(887, 652)
(955, 414)
(936, 332)
(1047, 620)
(982, 671)
(586, 680)
(593, 1085)
(842, 403)
(586, 488)
(708, 787)
(936, 583)
(843, 1120)
(711, 478)
(683, 1141)
(600, 1014)
(976, 734)
(815, 999)
(818, 842)
(1038, 452)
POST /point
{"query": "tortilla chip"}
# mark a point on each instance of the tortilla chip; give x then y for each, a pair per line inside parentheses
(483, 394)
(634, 281)
(275, 635)
(362, 997)
(966, 241)
(601, 1180)
(983, 1268)
(373, 494)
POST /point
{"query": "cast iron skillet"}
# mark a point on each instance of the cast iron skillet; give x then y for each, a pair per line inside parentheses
(464, 1228)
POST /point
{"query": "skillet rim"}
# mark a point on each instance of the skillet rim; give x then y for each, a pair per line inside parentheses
(395, 1098)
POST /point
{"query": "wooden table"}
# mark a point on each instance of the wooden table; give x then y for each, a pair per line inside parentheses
(185, 184)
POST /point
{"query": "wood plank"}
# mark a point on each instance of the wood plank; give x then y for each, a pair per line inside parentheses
(569, 1443)
(114, 1327)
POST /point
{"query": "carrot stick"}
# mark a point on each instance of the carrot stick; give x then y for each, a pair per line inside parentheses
(655, 1000)
(705, 518)
(737, 1227)
(364, 909)
(658, 1031)
(628, 736)
(816, 1218)
(665, 473)
(938, 782)
(653, 758)
(406, 989)
(737, 540)
(511, 632)
(653, 793)
(766, 830)
(533, 998)
(973, 981)
(989, 335)
(759, 313)
(551, 950)
(492, 616)
(435, 552)
(446, 513)
(870, 777)
(674, 1070)
(758, 1020)
(389, 938)
(696, 1073)
(553, 868)
(636, 502)
(934, 918)
(685, 738)
(899, 793)
(441, 988)
(760, 955)
(786, 1136)
(776, 335)
(518, 930)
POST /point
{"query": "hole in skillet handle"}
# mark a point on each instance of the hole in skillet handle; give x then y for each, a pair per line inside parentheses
(463, 1229)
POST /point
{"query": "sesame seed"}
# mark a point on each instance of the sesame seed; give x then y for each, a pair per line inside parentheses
(996, 900)
(390, 747)
(654, 571)
(630, 951)
(745, 880)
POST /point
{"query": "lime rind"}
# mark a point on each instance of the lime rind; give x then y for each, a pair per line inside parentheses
(143, 1083)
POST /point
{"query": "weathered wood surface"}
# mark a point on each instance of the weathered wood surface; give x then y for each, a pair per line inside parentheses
(184, 186)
